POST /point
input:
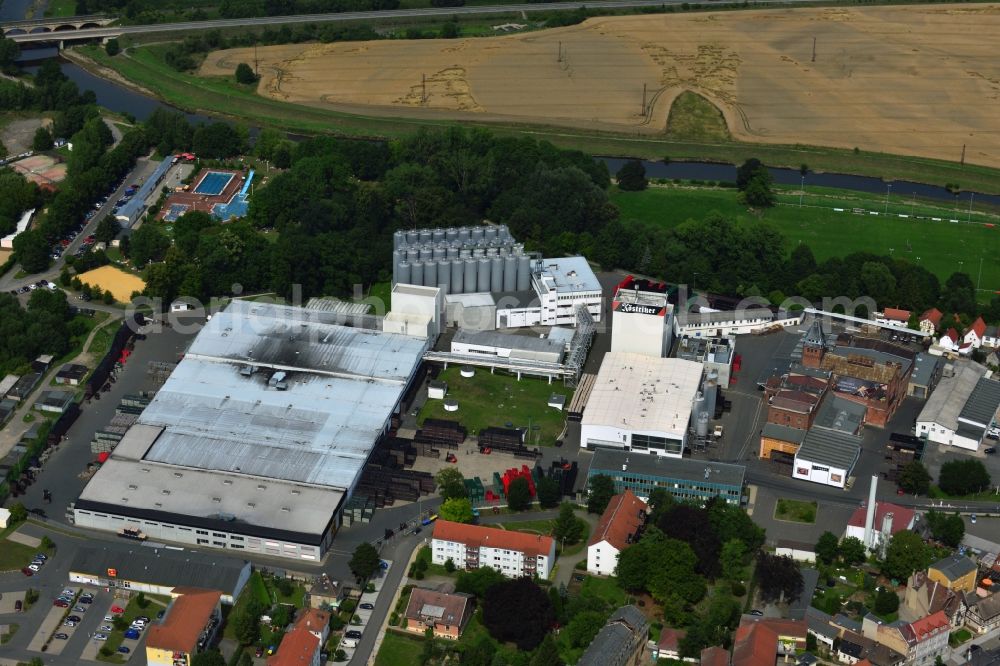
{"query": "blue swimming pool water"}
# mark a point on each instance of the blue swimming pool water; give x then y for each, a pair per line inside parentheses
(175, 211)
(213, 183)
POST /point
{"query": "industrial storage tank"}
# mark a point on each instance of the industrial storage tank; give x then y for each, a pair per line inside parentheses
(452, 252)
(444, 276)
(403, 273)
(477, 234)
(412, 237)
(397, 258)
(413, 255)
(701, 425)
(452, 234)
(426, 253)
(490, 233)
(430, 274)
(425, 236)
(491, 251)
(398, 240)
(711, 389)
(465, 253)
(523, 272)
(510, 273)
(470, 277)
(440, 252)
(438, 235)
(478, 252)
(496, 274)
(463, 235)
(417, 273)
(483, 277)
(457, 276)
(503, 232)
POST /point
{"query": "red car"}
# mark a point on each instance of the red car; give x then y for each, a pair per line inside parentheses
(89, 239)
(27, 572)
(60, 603)
(117, 610)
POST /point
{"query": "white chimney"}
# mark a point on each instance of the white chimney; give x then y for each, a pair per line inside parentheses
(870, 516)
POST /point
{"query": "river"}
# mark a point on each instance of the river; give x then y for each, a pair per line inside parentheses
(17, 10)
(118, 98)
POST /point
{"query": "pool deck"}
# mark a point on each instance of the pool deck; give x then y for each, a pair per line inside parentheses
(204, 202)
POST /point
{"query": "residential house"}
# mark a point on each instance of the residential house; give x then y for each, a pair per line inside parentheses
(620, 642)
(791, 634)
(929, 321)
(921, 641)
(755, 644)
(975, 333)
(714, 656)
(820, 625)
(889, 519)
(853, 647)
(991, 337)
(925, 596)
(619, 527)
(187, 628)
(446, 614)
(514, 554)
(893, 317)
(72, 374)
(950, 340)
(303, 645)
(984, 613)
(956, 572)
(325, 594)
(872, 650)
(668, 646)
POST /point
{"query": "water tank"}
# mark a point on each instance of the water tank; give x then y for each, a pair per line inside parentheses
(503, 232)
(452, 234)
(523, 272)
(417, 273)
(452, 252)
(465, 253)
(699, 403)
(438, 235)
(463, 235)
(491, 251)
(457, 276)
(397, 257)
(403, 273)
(398, 240)
(477, 234)
(701, 425)
(711, 390)
(478, 252)
(490, 233)
(426, 253)
(412, 237)
(444, 276)
(469, 287)
(483, 277)
(510, 273)
(425, 236)
(440, 252)
(496, 274)
(430, 274)
(412, 255)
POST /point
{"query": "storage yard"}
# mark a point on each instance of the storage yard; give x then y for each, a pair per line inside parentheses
(866, 86)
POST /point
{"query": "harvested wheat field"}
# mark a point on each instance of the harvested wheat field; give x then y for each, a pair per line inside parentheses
(118, 282)
(918, 80)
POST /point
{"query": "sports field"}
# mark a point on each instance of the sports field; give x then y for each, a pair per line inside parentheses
(942, 247)
(115, 280)
(914, 80)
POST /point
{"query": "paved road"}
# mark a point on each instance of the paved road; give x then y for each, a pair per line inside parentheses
(101, 33)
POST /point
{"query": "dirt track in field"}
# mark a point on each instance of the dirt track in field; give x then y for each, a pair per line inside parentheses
(918, 80)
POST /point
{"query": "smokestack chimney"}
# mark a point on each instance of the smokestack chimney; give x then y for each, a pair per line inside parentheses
(870, 516)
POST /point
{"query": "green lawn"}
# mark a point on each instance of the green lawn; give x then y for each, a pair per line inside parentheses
(605, 588)
(255, 588)
(795, 511)
(426, 555)
(399, 650)
(14, 556)
(116, 637)
(296, 598)
(939, 246)
(692, 117)
(59, 8)
(9, 634)
(498, 399)
(959, 637)
(545, 527)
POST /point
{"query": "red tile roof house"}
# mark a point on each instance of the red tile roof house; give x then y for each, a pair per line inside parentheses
(303, 645)
(920, 642)
(893, 316)
(975, 333)
(791, 633)
(929, 321)
(755, 644)
(617, 530)
(447, 614)
(714, 656)
(514, 554)
(950, 340)
(185, 629)
(669, 646)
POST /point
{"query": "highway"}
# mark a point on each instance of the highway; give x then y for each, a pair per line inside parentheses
(271, 21)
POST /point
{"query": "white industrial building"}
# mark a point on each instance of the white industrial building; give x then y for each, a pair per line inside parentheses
(962, 408)
(714, 324)
(416, 311)
(259, 435)
(559, 287)
(514, 554)
(546, 348)
(715, 354)
(641, 318)
(7, 242)
(642, 404)
(827, 457)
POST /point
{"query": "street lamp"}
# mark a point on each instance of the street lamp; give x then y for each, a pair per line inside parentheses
(802, 188)
(972, 195)
(888, 188)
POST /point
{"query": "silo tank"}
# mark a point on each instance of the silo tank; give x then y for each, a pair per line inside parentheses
(426, 236)
(430, 274)
(477, 234)
(438, 235)
(452, 234)
(426, 253)
(412, 237)
(465, 253)
(440, 252)
(452, 252)
(417, 273)
(510, 273)
(396, 260)
(469, 287)
(457, 276)
(483, 276)
(503, 232)
(398, 240)
(701, 425)
(403, 273)
(490, 233)
(463, 234)
(496, 274)
(491, 251)
(444, 276)
(523, 273)
(412, 255)
(478, 252)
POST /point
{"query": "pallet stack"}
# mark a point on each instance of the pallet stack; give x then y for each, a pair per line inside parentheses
(514, 473)
(440, 434)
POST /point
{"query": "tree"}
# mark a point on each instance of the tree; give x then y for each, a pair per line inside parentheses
(745, 172)
(518, 611)
(47, 543)
(457, 510)
(244, 74)
(217, 141)
(960, 477)
(148, 243)
(779, 577)
(285, 586)
(449, 565)
(732, 560)
(9, 53)
(18, 514)
(141, 601)
(548, 492)
(568, 528)
(547, 653)
(905, 554)
(948, 529)
(108, 298)
(208, 658)
(364, 562)
(519, 494)
(886, 601)
(914, 478)
(112, 48)
(107, 229)
(601, 490)
(852, 551)
(759, 191)
(32, 250)
(877, 281)
(246, 659)
(959, 294)
(42, 140)
(451, 483)
(827, 547)
(478, 581)
(583, 627)
(632, 176)
(450, 30)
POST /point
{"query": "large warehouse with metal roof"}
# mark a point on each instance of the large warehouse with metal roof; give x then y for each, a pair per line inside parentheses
(259, 435)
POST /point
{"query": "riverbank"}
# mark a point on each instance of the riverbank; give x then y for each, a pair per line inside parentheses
(144, 68)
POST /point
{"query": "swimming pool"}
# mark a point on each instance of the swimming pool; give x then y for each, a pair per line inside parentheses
(213, 183)
(174, 212)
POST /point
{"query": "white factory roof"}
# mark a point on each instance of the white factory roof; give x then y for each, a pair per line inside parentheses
(640, 393)
(947, 400)
(571, 274)
(22, 226)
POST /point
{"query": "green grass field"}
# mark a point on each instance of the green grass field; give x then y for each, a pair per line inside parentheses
(942, 247)
(694, 118)
(795, 511)
(399, 650)
(59, 8)
(15, 555)
(498, 399)
(545, 527)
(255, 588)
(145, 66)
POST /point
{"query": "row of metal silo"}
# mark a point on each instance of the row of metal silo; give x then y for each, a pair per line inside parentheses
(468, 276)
(462, 235)
(437, 252)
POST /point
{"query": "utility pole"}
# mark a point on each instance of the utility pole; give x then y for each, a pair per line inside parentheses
(256, 62)
(963, 155)
(814, 50)
(888, 188)
(968, 218)
(979, 283)
(559, 57)
(643, 112)
(802, 189)
(423, 88)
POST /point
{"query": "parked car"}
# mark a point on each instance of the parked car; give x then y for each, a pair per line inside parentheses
(132, 634)
(123, 649)
(972, 519)
(74, 618)
(18, 605)
(69, 623)
(100, 637)
(60, 636)
(35, 567)
(41, 556)
(27, 572)
(353, 633)
(106, 627)
(367, 606)
(991, 450)
(117, 610)
(86, 600)
(60, 603)
(79, 609)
